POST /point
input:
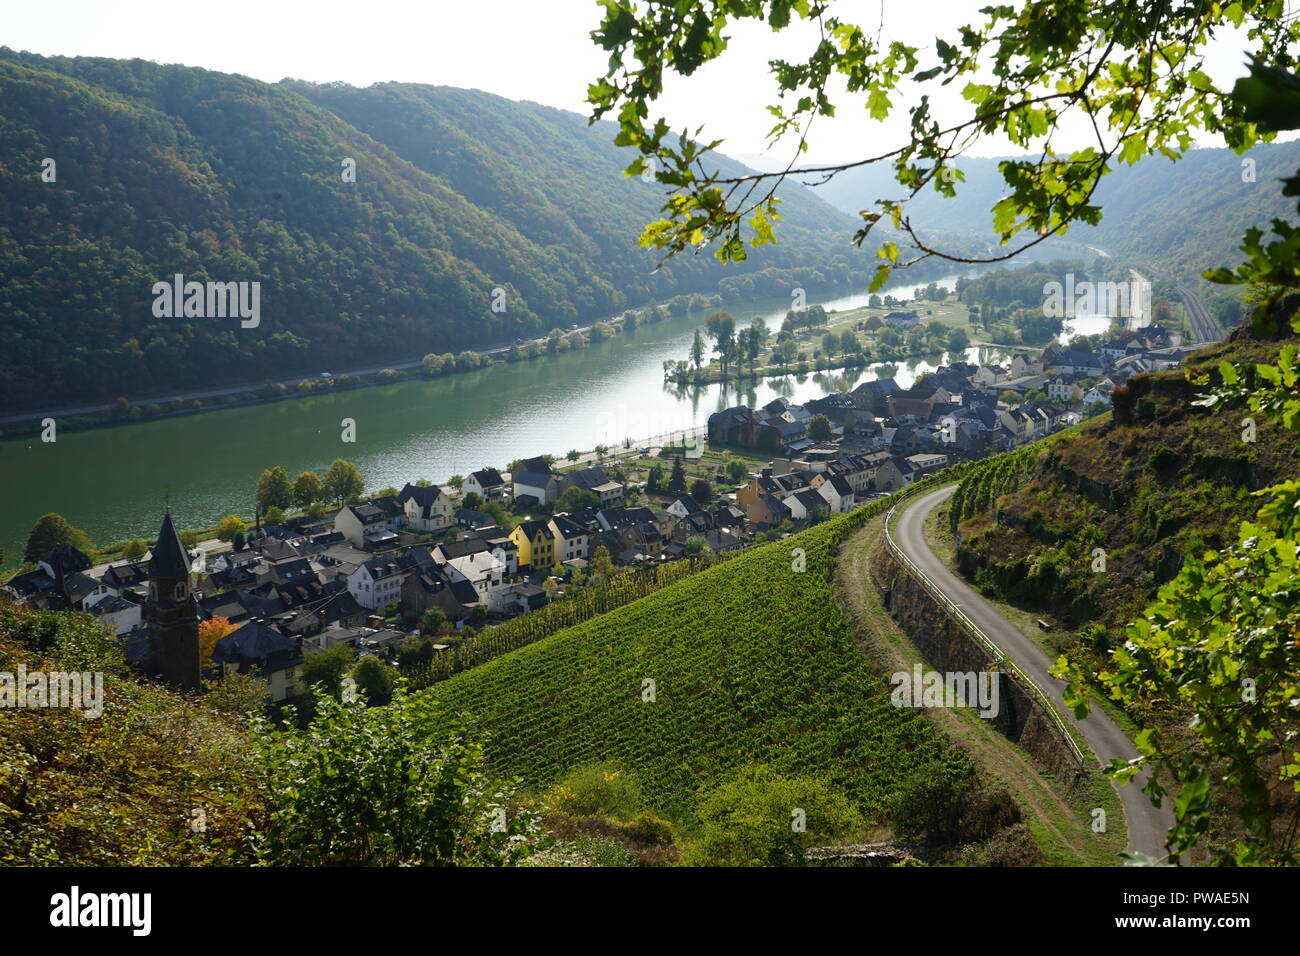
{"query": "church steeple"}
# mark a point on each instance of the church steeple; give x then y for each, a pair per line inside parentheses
(172, 613)
(169, 558)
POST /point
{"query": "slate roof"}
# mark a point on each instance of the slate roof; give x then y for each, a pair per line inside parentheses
(255, 644)
(488, 477)
(169, 558)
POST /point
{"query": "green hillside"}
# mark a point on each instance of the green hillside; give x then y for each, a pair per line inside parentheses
(170, 169)
(752, 662)
(1159, 479)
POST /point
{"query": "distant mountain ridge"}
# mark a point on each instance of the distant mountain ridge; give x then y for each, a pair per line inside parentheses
(1181, 217)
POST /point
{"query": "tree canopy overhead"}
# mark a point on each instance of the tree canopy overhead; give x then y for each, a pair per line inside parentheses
(1134, 71)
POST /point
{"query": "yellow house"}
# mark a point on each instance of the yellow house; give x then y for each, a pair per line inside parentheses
(536, 543)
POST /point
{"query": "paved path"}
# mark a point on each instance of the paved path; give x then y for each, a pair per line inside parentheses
(1147, 825)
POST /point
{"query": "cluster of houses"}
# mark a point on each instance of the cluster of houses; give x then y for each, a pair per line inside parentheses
(311, 584)
(880, 436)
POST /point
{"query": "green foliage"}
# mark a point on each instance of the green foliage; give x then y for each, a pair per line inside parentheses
(124, 788)
(325, 669)
(932, 800)
(457, 193)
(597, 790)
(758, 817)
(575, 499)
(1029, 77)
(733, 682)
(53, 531)
(230, 526)
(401, 785)
(375, 679)
(343, 482)
(1222, 643)
(274, 490)
(308, 489)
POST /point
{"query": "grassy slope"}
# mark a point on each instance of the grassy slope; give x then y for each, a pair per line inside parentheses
(1180, 479)
(120, 789)
(751, 661)
(1059, 820)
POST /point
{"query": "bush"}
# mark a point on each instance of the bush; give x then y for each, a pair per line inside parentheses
(1014, 846)
(761, 818)
(650, 830)
(931, 802)
(384, 786)
(596, 790)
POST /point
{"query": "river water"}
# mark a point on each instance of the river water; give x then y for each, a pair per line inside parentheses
(113, 482)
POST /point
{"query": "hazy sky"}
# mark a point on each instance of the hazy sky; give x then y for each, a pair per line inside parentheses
(523, 49)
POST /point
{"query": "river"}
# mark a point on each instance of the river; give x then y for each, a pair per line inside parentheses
(113, 482)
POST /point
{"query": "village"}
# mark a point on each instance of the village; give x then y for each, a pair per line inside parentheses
(430, 563)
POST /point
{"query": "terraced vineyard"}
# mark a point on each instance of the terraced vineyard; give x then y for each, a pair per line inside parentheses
(751, 661)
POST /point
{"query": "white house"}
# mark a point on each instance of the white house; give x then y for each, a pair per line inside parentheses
(117, 613)
(426, 508)
(482, 569)
(838, 493)
(1060, 390)
(371, 521)
(377, 583)
(1101, 392)
(683, 508)
(987, 376)
(487, 483)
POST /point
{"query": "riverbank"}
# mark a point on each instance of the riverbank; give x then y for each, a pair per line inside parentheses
(125, 410)
(114, 481)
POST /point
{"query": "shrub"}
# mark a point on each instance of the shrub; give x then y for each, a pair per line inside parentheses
(384, 786)
(596, 790)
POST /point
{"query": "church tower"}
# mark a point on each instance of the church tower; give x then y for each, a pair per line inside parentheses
(171, 613)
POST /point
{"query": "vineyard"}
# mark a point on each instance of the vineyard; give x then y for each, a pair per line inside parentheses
(584, 605)
(748, 661)
(989, 479)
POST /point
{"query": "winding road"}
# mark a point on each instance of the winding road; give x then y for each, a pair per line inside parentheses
(1147, 825)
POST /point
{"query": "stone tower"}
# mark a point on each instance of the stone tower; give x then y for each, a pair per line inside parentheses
(171, 613)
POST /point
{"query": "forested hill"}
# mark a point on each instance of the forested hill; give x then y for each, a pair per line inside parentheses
(1177, 217)
(170, 169)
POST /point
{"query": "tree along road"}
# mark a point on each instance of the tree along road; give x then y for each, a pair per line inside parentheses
(1147, 825)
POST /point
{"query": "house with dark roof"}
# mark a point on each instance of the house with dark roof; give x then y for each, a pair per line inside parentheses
(377, 583)
(425, 506)
(82, 591)
(487, 483)
(766, 511)
(131, 575)
(873, 396)
(469, 518)
(535, 487)
(572, 540)
(595, 480)
(536, 543)
(338, 609)
(733, 426)
(117, 613)
(431, 587)
(803, 504)
(263, 652)
(371, 524)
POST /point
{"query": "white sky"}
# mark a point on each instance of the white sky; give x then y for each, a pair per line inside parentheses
(522, 49)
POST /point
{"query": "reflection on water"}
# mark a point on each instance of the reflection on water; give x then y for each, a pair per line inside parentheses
(113, 482)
